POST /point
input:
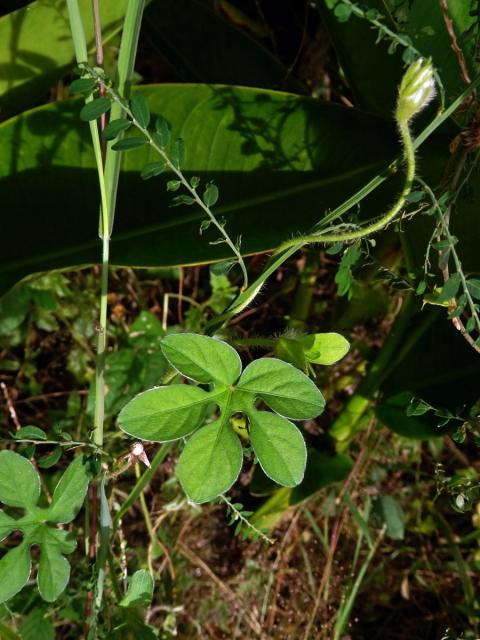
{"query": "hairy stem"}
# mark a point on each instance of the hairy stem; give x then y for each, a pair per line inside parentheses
(382, 222)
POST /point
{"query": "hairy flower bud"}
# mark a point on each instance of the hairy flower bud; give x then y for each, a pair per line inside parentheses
(416, 89)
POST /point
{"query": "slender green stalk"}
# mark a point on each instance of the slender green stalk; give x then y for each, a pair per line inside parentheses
(192, 190)
(142, 482)
(123, 81)
(382, 222)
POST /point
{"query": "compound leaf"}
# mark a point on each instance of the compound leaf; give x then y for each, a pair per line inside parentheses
(283, 388)
(164, 413)
(202, 358)
(279, 447)
(210, 462)
(19, 482)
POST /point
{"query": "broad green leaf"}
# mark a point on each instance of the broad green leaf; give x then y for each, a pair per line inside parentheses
(210, 462)
(15, 567)
(283, 388)
(140, 110)
(140, 590)
(30, 433)
(94, 109)
(279, 447)
(69, 494)
(202, 358)
(53, 572)
(19, 482)
(37, 626)
(391, 514)
(36, 48)
(7, 525)
(164, 413)
(320, 154)
(114, 127)
(325, 348)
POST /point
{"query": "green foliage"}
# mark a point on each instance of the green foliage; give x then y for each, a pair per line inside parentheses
(212, 458)
(140, 590)
(317, 348)
(20, 487)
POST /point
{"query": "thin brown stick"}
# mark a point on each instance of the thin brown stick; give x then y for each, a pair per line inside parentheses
(11, 408)
(454, 44)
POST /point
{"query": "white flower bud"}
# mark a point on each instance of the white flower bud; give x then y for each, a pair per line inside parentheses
(416, 89)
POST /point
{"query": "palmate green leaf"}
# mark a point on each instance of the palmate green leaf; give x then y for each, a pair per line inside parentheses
(69, 494)
(210, 462)
(140, 590)
(290, 149)
(164, 413)
(15, 567)
(202, 358)
(283, 388)
(19, 482)
(279, 447)
(43, 51)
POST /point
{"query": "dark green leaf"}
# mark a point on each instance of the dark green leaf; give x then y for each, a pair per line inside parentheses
(114, 127)
(450, 288)
(37, 626)
(129, 143)
(140, 109)
(162, 129)
(82, 85)
(473, 286)
(45, 462)
(152, 169)
(94, 109)
(391, 514)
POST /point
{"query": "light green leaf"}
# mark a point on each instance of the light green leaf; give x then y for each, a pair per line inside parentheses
(69, 493)
(94, 109)
(325, 348)
(15, 569)
(210, 462)
(164, 413)
(279, 447)
(53, 572)
(283, 388)
(19, 482)
(140, 590)
(140, 110)
(202, 358)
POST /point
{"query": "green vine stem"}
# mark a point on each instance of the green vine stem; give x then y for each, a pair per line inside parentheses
(416, 90)
(118, 100)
